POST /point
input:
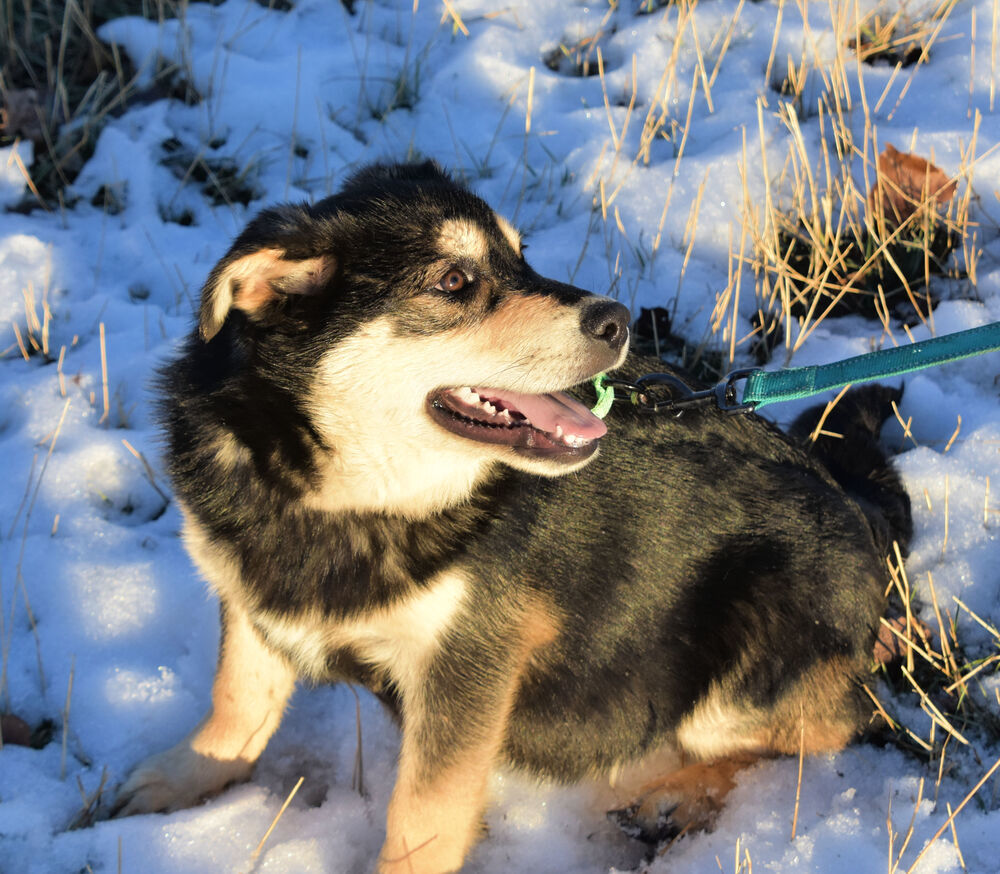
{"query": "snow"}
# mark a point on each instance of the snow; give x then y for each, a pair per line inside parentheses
(12, 180)
(292, 103)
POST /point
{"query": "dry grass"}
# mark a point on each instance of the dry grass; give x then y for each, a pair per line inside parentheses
(827, 238)
(35, 338)
(830, 238)
(59, 83)
(838, 245)
(255, 855)
(836, 231)
(891, 38)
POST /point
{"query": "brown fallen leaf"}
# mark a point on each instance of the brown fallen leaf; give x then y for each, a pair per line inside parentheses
(889, 646)
(15, 730)
(21, 115)
(904, 182)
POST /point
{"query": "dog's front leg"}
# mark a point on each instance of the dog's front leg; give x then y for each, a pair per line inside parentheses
(455, 718)
(252, 687)
(444, 765)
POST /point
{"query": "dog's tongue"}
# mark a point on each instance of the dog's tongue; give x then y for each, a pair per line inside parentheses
(547, 412)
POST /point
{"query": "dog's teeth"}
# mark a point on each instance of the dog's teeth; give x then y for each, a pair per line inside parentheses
(489, 408)
(465, 393)
(559, 432)
(505, 415)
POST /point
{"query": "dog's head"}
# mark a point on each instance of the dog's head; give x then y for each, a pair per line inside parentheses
(421, 344)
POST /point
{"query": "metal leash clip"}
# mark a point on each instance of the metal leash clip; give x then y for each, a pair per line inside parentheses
(680, 396)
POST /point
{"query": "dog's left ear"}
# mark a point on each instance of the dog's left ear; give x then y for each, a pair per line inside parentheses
(255, 282)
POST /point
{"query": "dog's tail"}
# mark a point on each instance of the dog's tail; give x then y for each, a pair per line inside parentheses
(857, 462)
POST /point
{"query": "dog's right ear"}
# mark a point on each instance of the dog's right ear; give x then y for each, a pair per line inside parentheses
(255, 281)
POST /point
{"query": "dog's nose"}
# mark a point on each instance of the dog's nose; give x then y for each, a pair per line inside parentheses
(607, 321)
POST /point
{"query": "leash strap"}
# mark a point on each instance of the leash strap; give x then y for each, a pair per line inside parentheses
(768, 387)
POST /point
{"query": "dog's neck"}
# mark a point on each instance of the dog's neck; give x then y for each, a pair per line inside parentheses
(415, 483)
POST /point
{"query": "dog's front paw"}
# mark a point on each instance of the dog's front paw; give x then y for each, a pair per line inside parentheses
(174, 779)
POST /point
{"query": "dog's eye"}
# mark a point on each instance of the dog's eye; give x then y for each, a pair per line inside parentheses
(454, 280)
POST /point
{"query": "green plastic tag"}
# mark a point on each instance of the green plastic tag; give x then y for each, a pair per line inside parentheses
(605, 397)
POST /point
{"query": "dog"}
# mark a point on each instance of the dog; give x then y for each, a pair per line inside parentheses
(386, 481)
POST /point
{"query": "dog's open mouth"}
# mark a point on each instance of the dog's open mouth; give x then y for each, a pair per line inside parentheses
(548, 425)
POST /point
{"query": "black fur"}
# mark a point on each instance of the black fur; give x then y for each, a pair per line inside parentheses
(858, 463)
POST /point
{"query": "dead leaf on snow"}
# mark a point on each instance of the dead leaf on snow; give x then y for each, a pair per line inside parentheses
(890, 644)
(904, 182)
(21, 115)
(15, 730)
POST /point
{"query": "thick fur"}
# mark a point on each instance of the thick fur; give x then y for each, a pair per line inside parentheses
(702, 589)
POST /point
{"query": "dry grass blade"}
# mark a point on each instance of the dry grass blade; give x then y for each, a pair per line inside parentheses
(455, 17)
(147, 469)
(105, 396)
(90, 804)
(59, 81)
(990, 629)
(931, 710)
(65, 718)
(798, 780)
(274, 822)
(941, 16)
(818, 431)
(19, 570)
(358, 776)
(894, 863)
(894, 724)
(951, 818)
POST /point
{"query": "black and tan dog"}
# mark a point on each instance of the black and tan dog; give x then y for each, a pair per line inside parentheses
(384, 483)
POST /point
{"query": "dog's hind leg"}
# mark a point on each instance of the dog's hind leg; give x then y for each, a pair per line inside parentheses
(688, 799)
(820, 713)
(252, 686)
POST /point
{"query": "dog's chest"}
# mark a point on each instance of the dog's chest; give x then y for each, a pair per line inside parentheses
(395, 641)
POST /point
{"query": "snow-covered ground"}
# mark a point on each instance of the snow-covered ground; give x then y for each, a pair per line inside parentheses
(292, 102)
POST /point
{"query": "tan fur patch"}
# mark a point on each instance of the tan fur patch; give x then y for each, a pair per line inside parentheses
(252, 687)
(816, 716)
(718, 726)
(625, 782)
(540, 625)
(248, 283)
(229, 452)
(461, 238)
(509, 233)
(531, 322)
(429, 829)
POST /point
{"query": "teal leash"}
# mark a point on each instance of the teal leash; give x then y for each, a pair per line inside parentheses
(769, 387)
